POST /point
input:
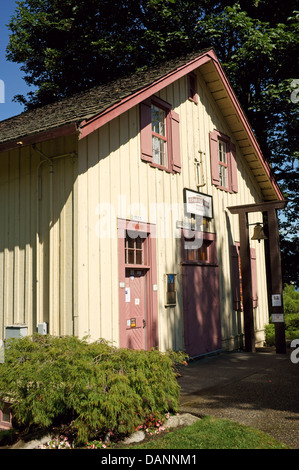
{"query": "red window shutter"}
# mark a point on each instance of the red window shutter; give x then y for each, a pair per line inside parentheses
(253, 277)
(235, 278)
(214, 158)
(175, 142)
(233, 169)
(146, 131)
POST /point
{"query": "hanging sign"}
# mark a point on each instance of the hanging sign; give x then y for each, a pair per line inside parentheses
(198, 203)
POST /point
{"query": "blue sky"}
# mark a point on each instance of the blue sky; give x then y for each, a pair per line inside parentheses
(10, 73)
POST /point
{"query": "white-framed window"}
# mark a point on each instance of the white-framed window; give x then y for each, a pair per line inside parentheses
(224, 168)
(223, 164)
(159, 137)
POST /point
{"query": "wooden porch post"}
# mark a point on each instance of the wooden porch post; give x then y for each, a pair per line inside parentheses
(276, 279)
(246, 283)
(275, 266)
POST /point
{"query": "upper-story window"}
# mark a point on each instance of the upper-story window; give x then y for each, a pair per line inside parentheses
(223, 166)
(159, 140)
(223, 162)
(160, 135)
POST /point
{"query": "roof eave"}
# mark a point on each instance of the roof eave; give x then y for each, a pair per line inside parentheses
(34, 138)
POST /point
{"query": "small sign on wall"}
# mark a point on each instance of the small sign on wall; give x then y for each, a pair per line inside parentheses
(276, 300)
(277, 317)
(198, 203)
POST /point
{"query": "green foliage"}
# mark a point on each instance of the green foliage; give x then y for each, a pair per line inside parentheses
(291, 329)
(96, 385)
(291, 316)
(290, 299)
(270, 334)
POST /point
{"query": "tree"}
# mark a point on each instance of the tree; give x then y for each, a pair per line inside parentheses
(66, 47)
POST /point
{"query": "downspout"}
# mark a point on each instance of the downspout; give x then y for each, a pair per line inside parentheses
(50, 161)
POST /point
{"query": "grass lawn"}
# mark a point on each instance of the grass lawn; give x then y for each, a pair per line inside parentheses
(212, 433)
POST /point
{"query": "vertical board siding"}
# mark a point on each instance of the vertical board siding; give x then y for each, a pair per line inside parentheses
(130, 187)
(71, 280)
(36, 279)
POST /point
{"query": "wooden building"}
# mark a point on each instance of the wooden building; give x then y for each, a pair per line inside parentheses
(114, 219)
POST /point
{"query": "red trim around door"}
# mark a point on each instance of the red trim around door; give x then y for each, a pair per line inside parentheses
(150, 279)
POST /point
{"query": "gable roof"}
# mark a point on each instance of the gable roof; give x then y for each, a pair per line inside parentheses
(85, 112)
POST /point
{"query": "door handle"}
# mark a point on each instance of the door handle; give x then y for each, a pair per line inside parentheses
(144, 323)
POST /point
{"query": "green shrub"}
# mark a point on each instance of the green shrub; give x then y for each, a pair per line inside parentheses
(100, 387)
(270, 334)
(291, 329)
(290, 299)
(292, 321)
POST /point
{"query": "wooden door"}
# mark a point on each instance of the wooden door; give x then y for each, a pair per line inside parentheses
(134, 315)
(202, 327)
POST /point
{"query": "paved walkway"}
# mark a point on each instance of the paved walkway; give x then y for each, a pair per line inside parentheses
(256, 389)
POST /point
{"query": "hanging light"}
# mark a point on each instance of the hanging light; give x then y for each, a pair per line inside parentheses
(258, 233)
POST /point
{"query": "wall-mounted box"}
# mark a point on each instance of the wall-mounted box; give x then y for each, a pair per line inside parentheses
(16, 331)
(42, 328)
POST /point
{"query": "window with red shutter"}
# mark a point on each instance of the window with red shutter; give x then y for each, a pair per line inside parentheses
(160, 135)
(223, 162)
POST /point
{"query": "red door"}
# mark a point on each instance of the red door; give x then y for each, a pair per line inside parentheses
(134, 317)
(202, 328)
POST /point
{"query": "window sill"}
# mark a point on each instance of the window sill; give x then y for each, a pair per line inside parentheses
(137, 266)
(224, 189)
(161, 167)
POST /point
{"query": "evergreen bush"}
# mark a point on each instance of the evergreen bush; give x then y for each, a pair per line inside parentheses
(95, 385)
(291, 329)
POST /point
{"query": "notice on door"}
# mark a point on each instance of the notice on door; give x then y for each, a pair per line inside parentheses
(128, 294)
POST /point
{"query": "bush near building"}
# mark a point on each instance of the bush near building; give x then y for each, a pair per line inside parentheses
(97, 387)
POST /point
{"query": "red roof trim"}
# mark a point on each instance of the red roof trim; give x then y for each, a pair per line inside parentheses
(127, 103)
(62, 131)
